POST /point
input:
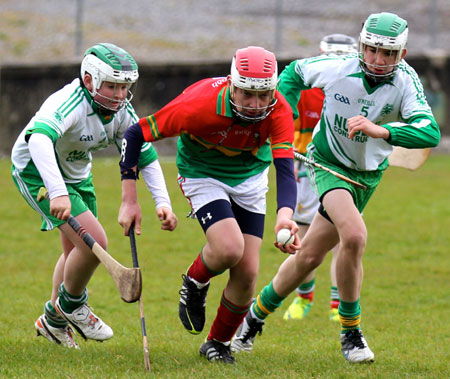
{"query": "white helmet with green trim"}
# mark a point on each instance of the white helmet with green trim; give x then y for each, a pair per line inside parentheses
(106, 62)
(338, 44)
(383, 31)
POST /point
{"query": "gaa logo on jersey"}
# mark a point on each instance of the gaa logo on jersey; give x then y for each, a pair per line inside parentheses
(342, 98)
(87, 138)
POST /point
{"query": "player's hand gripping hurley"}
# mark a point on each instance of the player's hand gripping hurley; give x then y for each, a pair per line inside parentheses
(310, 162)
(141, 306)
(128, 280)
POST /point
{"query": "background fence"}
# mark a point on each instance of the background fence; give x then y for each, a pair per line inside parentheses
(24, 88)
(177, 42)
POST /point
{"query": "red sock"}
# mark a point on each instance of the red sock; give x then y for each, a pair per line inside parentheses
(199, 271)
(229, 317)
(309, 296)
(334, 304)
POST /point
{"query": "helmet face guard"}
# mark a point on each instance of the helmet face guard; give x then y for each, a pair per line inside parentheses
(109, 63)
(338, 44)
(386, 34)
(254, 71)
(254, 113)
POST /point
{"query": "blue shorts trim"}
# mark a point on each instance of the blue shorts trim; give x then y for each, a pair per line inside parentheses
(249, 222)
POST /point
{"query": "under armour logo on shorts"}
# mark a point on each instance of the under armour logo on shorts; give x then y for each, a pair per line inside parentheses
(208, 217)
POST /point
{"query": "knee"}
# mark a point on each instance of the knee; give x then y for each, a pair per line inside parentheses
(355, 241)
(102, 240)
(99, 236)
(103, 243)
(230, 250)
(309, 255)
(310, 261)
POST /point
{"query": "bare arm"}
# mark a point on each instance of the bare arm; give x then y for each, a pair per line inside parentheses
(130, 210)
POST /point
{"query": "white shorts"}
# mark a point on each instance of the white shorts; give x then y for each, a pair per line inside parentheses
(307, 201)
(249, 195)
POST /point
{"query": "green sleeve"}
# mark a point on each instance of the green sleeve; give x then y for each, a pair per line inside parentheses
(40, 127)
(419, 132)
(148, 155)
(290, 84)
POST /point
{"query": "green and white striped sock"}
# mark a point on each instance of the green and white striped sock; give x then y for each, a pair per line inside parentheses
(52, 317)
(70, 302)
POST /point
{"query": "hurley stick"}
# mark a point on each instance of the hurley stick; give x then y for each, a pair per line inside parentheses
(411, 159)
(310, 162)
(141, 305)
(128, 280)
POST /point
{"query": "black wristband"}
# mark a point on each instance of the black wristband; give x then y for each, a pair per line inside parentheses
(129, 174)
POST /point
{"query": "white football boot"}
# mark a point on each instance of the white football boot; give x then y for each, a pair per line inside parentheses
(86, 323)
(354, 347)
(61, 336)
(246, 333)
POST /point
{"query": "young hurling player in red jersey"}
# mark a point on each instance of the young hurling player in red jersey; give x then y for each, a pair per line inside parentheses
(229, 131)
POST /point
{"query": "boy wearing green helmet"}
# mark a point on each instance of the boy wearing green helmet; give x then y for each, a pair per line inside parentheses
(373, 102)
(55, 150)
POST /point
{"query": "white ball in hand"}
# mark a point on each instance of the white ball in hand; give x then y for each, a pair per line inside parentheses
(284, 237)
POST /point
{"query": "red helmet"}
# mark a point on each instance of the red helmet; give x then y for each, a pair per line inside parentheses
(254, 68)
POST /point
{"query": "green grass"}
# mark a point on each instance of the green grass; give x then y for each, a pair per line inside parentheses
(405, 296)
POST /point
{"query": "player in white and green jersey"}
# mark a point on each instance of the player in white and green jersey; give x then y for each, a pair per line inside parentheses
(373, 101)
(55, 150)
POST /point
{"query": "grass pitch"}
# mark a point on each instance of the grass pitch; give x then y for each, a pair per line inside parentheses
(405, 297)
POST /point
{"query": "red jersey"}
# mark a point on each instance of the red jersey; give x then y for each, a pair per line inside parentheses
(309, 111)
(215, 143)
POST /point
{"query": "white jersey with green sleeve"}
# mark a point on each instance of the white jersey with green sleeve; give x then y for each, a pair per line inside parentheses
(69, 120)
(399, 105)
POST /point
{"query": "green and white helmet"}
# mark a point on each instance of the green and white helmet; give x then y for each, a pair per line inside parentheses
(106, 62)
(383, 31)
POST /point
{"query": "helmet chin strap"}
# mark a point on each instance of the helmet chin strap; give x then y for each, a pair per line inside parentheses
(97, 107)
(253, 119)
(241, 115)
(104, 111)
(375, 79)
